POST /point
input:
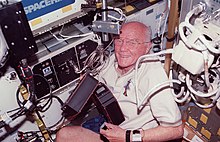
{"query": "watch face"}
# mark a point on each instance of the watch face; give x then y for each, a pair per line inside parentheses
(136, 136)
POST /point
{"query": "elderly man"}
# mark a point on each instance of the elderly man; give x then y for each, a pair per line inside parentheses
(158, 120)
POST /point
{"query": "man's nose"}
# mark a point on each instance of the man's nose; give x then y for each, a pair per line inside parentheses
(124, 46)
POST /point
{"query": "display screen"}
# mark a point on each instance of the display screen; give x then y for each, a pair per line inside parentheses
(44, 15)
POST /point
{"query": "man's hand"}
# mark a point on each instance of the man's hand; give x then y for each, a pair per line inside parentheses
(113, 133)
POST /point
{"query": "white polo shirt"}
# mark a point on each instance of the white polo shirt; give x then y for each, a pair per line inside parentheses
(161, 109)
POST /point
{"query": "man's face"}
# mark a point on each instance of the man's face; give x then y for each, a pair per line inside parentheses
(129, 46)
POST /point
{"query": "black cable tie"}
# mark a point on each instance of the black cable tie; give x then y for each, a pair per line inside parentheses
(171, 39)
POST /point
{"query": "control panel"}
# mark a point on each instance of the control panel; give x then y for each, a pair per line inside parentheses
(59, 70)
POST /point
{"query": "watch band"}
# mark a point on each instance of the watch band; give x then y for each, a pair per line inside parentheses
(127, 135)
(136, 136)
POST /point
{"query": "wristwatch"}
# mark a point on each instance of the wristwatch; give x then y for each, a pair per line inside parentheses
(136, 136)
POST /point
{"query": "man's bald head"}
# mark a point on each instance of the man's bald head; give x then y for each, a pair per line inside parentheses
(140, 29)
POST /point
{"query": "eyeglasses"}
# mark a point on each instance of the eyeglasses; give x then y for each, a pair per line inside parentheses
(129, 42)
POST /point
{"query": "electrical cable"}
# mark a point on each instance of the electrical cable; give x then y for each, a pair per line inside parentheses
(191, 93)
(160, 19)
(183, 94)
(58, 99)
(215, 92)
(20, 103)
(122, 17)
(21, 112)
(183, 99)
(66, 37)
(136, 70)
(212, 98)
(163, 32)
(204, 106)
(155, 89)
(193, 32)
(49, 102)
(96, 61)
(10, 111)
(57, 123)
(199, 94)
(118, 10)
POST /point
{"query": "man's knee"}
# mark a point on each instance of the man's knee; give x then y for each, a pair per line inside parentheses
(67, 133)
(61, 134)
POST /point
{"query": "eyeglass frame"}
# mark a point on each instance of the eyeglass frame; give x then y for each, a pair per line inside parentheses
(127, 43)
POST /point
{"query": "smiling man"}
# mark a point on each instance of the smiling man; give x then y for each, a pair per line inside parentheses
(158, 120)
(133, 42)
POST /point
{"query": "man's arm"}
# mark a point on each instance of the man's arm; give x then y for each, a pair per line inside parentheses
(116, 134)
(162, 133)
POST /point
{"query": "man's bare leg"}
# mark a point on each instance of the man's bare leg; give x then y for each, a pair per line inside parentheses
(77, 134)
